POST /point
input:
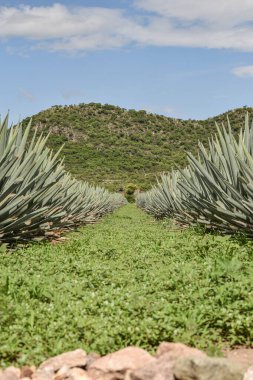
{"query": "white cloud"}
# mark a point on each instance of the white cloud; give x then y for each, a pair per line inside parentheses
(215, 12)
(58, 27)
(243, 71)
(56, 21)
(199, 23)
(191, 23)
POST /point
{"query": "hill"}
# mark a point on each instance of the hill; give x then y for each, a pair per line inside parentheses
(112, 146)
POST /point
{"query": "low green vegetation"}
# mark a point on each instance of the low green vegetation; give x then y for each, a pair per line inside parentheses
(112, 146)
(126, 280)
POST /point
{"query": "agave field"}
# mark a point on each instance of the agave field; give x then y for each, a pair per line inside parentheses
(131, 279)
(37, 196)
(215, 190)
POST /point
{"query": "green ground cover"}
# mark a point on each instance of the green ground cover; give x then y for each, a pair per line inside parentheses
(127, 280)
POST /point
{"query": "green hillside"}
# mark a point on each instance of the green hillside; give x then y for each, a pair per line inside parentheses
(112, 146)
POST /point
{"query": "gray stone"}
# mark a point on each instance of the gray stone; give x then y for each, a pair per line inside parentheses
(197, 368)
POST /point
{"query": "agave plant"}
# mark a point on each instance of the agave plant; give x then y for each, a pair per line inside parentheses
(162, 200)
(37, 195)
(216, 189)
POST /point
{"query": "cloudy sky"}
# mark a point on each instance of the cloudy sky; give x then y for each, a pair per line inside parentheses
(181, 58)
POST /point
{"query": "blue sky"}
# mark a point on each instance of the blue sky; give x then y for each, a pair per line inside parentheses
(180, 58)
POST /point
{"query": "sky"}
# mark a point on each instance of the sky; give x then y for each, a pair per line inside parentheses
(180, 58)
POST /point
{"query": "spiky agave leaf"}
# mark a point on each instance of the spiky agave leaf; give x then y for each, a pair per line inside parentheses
(37, 195)
(216, 189)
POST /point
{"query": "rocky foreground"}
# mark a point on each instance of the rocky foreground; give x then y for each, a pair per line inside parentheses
(173, 361)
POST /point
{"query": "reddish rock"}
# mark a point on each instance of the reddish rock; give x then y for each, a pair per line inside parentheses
(75, 373)
(160, 369)
(46, 373)
(91, 359)
(177, 350)
(78, 374)
(9, 375)
(122, 360)
(13, 370)
(62, 373)
(241, 356)
(96, 374)
(77, 358)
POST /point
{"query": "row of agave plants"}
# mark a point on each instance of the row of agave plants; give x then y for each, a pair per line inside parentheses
(38, 198)
(215, 189)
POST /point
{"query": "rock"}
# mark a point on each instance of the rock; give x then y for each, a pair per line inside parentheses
(160, 369)
(248, 374)
(77, 358)
(26, 372)
(4, 376)
(78, 374)
(91, 358)
(122, 360)
(96, 374)
(46, 373)
(241, 356)
(177, 350)
(63, 370)
(62, 373)
(198, 368)
(75, 373)
(9, 374)
(13, 370)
